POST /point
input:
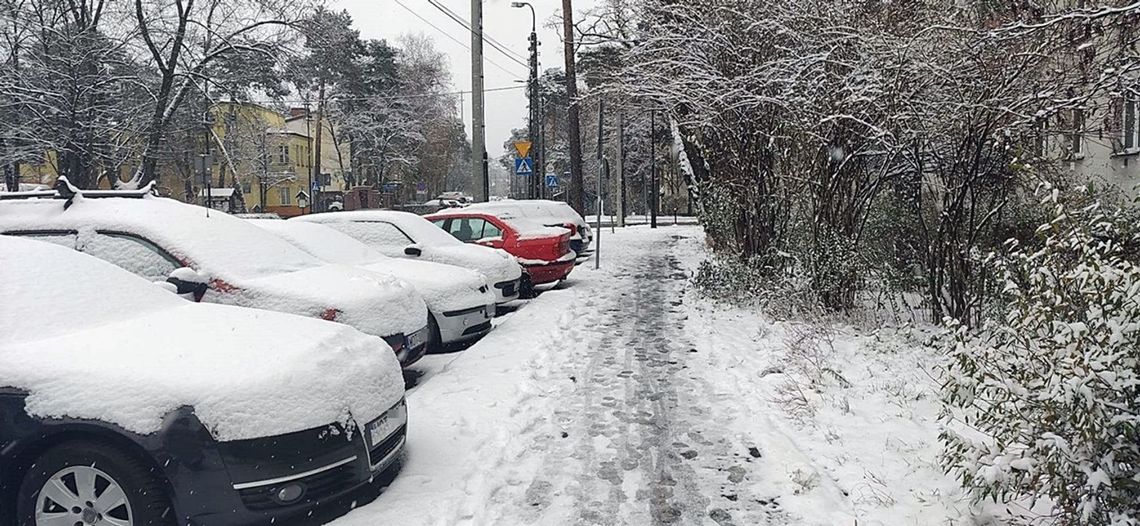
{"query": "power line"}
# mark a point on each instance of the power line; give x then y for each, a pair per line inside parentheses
(494, 44)
(450, 36)
(382, 97)
(502, 48)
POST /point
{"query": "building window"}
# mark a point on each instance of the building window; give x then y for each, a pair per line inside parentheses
(283, 194)
(326, 179)
(246, 187)
(283, 154)
(1076, 136)
(1131, 122)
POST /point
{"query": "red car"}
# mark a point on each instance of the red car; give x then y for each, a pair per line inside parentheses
(543, 251)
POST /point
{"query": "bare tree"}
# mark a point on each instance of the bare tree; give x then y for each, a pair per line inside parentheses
(185, 37)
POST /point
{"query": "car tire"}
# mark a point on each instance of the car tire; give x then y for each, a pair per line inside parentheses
(144, 503)
(526, 288)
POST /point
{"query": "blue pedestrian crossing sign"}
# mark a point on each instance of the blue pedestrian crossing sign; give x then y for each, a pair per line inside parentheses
(552, 181)
(524, 166)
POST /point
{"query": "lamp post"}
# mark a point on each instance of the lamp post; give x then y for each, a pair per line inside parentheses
(533, 188)
(207, 126)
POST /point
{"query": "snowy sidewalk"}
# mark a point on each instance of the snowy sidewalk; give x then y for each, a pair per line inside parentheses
(617, 399)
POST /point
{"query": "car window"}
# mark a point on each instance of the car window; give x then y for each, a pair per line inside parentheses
(134, 254)
(467, 228)
(66, 239)
(490, 230)
(439, 222)
(375, 234)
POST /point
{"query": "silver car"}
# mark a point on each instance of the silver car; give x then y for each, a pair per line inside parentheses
(460, 301)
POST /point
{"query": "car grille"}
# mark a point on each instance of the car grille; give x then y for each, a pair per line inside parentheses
(389, 444)
(475, 329)
(317, 487)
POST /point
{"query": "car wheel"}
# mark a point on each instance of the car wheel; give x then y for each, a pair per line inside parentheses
(435, 344)
(84, 483)
(526, 288)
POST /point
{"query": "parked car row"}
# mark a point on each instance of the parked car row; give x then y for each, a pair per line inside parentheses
(187, 366)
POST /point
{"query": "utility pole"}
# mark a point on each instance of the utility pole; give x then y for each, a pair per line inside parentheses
(602, 172)
(577, 192)
(478, 130)
(534, 186)
(621, 168)
(652, 169)
(316, 168)
(540, 155)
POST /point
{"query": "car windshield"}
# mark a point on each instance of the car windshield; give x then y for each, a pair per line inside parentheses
(70, 286)
(321, 241)
(422, 231)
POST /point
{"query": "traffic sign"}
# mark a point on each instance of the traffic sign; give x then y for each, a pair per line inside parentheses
(524, 167)
(523, 147)
(552, 181)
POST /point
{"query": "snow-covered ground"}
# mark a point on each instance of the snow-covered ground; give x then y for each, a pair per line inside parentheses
(624, 398)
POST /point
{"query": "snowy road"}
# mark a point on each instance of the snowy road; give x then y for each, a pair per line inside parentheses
(621, 398)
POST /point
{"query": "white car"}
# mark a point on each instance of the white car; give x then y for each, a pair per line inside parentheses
(125, 404)
(218, 258)
(403, 234)
(460, 302)
(547, 213)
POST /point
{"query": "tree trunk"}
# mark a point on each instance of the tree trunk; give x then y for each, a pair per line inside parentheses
(577, 197)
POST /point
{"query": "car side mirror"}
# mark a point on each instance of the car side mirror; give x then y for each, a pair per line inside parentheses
(413, 251)
(188, 281)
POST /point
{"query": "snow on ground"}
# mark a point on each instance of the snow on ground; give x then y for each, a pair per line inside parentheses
(622, 397)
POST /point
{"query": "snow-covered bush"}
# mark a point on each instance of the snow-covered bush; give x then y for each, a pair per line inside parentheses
(1043, 403)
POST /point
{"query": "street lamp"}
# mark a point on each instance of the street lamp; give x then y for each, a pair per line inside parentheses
(533, 118)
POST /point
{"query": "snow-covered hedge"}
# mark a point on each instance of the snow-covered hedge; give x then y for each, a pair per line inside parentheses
(1043, 404)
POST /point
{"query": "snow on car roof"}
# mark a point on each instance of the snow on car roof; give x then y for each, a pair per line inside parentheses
(535, 208)
(416, 227)
(210, 240)
(526, 227)
(118, 349)
(321, 241)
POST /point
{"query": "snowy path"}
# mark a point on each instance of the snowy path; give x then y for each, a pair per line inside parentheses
(637, 444)
(623, 399)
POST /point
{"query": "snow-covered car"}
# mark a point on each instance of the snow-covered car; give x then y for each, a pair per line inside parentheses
(460, 302)
(403, 234)
(549, 213)
(218, 258)
(543, 251)
(127, 405)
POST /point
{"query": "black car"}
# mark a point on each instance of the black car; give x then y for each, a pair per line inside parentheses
(139, 408)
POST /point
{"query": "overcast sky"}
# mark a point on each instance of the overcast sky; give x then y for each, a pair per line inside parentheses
(509, 26)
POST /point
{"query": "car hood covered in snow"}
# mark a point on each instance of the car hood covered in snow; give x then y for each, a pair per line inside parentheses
(444, 287)
(377, 304)
(132, 357)
(497, 265)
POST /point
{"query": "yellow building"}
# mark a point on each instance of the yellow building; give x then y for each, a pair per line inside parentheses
(259, 161)
(334, 161)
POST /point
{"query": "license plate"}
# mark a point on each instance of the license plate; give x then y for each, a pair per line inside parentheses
(381, 428)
